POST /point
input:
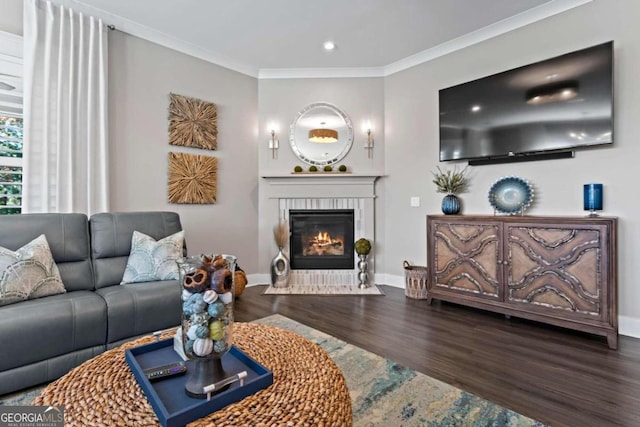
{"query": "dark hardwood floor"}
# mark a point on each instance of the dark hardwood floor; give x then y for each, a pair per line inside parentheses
(557, 376)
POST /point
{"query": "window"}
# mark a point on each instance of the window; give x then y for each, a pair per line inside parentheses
(11, 124)
(10, 164)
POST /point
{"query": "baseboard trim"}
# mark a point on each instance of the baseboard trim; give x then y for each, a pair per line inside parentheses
(629, 326)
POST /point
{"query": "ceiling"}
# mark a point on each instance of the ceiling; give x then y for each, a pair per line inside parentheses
(284, 37)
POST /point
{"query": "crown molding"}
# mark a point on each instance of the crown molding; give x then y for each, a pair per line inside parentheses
(530, 16)
(319, 73)
(506, 25)
(135, 29)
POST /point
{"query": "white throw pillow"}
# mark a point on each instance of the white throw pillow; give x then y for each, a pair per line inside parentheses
(150, 260)
(30, 272)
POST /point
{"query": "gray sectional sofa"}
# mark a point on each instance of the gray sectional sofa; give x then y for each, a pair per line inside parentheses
(42, 339)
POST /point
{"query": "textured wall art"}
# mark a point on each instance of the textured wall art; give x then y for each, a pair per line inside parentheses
(192, 178)
(192, 122)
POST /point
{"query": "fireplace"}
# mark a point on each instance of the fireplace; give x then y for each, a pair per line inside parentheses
(321, 239)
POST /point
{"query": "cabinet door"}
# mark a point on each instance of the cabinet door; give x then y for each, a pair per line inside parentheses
(465, 258)
(555, 267)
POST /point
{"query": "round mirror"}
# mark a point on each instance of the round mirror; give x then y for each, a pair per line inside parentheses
(321, 134)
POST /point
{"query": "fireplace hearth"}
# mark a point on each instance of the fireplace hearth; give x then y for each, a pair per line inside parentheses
(321, 239)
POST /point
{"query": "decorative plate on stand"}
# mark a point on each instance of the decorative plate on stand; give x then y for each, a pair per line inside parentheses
(511, 195)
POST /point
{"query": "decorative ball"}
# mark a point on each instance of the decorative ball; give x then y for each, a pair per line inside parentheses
(216, 330)
(328, 168)
(202, 347)
(226, 298)
(220, 346)
(342, 168)
(210, 296)
(191, 332)
(202, 332)
(313, 169)
(216, 309)
(362, 246)
(188, 346)
(185, 294)
(297, 169)
(199, 318)
(197, 304)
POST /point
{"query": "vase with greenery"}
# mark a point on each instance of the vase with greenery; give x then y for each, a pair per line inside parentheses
(451, 182)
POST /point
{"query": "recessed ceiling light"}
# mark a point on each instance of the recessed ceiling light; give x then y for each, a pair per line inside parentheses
(476, 108)
(329, 45)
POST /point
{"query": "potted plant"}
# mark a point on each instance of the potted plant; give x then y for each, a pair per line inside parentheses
(451, 182)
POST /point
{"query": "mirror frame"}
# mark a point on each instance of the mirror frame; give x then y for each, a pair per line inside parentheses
(308, 158)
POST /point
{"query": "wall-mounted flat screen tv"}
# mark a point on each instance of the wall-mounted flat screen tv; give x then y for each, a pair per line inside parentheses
(549, 107)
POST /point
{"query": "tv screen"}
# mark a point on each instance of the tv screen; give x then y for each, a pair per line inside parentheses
(555, 105)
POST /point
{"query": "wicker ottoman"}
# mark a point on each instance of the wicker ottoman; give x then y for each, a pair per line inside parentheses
(308, 388)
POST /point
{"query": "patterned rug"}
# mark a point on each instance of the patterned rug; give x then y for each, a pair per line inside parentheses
(323, 290)
(384, 393)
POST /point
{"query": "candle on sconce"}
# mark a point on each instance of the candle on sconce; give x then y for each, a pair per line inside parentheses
(593, 198)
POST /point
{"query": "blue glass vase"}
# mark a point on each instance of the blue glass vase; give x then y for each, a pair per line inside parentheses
(450, 204)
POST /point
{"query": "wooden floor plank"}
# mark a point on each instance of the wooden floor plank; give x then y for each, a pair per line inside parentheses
(557, 376)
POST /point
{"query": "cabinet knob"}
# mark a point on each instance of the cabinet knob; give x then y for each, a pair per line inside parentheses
(499, 261)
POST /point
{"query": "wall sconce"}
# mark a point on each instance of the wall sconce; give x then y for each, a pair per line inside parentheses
(274, 144)
(366, 128)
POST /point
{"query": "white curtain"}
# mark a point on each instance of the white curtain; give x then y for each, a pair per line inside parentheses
(65, 110)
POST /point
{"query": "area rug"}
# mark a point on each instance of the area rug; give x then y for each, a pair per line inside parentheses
(384, 393)
(323, 290)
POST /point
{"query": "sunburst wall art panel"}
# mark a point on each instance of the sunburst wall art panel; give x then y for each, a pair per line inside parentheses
(193, 178)
(193, 122)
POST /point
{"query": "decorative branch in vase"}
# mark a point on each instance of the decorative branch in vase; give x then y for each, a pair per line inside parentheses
(451, 182)
(280, 265)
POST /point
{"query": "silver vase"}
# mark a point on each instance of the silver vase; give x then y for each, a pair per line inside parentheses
(363, 275)
(280, 270)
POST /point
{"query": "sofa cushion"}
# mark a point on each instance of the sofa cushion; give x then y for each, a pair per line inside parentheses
(68, 238)
(111, 235)
(152, 260)
(43, 328)
(140, 308)
(28, 273)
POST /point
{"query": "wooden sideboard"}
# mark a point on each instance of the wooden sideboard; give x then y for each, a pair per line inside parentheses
(557, 270)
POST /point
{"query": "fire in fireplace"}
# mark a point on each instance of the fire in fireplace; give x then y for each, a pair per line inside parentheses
(321, 239)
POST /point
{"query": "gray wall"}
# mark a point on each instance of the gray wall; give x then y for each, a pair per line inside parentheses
(141, 76)
(11, 16)
(404, 111)
(280, 101)
(411, 114)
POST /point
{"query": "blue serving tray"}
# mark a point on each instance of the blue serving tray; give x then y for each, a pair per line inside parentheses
(167, 396)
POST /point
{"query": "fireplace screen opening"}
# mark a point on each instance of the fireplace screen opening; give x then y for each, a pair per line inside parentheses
(321, 239)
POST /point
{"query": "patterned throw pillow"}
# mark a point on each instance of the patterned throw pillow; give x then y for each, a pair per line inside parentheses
(30, 272)
(150, 260)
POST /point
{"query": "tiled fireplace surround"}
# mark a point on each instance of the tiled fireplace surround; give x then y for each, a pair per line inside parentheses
(324, 191)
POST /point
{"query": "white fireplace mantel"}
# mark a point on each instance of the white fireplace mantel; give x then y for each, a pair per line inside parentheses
(323, 191)
(321, 185)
